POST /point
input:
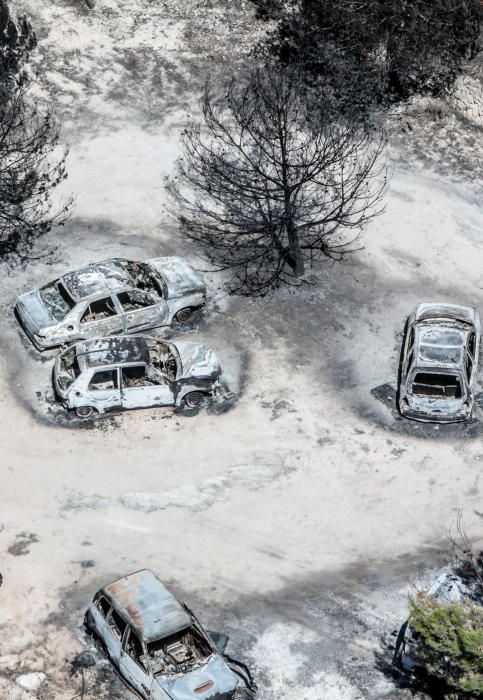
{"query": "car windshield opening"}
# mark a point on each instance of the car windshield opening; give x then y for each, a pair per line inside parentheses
(144, 277)
(162, 358)
(179, 652)
(433, 385)
(69, 369)
(57, 300)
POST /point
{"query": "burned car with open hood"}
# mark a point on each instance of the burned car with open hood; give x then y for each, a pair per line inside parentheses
(157, 644)
(439, 363)
(111, 297)
(122, 372)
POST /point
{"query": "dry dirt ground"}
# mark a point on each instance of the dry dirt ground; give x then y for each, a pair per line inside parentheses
(297, 521)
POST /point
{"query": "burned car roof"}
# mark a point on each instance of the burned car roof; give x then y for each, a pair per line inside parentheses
(441, 344)
(114, 350)
(97, 278)
(148, 605)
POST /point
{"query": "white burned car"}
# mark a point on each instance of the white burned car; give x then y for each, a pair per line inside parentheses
(158, 645)
(110, 297)
(98, 375)
(439, 363)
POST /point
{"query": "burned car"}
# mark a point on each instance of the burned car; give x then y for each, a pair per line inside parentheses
(101, 374)
(439, 363)
(110, 297)
(158, 645)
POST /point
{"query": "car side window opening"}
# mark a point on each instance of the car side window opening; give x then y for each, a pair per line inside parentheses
(410, 353)
(99, 310)
(135, 299)
(103, 606)
(103, 380)
(472, 345)
(134, 649)
(139, 376)
(443, 386)
(469, 365)
(116, 624)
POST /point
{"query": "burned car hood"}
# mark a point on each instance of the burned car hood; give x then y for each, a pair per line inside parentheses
(33, 312)
(197, 360)
(212, 680)
(179, 277)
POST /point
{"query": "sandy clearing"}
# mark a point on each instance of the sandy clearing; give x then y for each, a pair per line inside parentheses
(291, 520)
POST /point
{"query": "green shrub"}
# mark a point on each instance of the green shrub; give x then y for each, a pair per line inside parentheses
(450, 642)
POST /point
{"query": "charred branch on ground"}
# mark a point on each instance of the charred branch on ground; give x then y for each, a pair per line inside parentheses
(465, 562)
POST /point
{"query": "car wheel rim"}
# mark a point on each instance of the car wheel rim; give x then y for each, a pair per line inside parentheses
(184, 316)
(85, 412)
(194, 400)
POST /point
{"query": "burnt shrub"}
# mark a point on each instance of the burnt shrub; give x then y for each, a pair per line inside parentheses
(377, 50)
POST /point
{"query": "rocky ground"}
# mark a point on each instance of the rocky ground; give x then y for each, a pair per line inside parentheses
(299, 520)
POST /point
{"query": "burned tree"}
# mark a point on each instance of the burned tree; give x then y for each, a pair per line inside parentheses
(267, 185)
(29, 172)
(31, 166)
(16, 42)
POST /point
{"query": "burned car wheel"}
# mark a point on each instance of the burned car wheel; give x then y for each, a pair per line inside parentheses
(194, 399)
(185, 315)
(85, 411)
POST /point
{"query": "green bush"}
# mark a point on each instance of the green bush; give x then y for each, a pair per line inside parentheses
(450, 642)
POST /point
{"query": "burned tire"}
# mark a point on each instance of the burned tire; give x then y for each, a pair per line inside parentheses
(85, 412)
(194, 399)
(185, 315)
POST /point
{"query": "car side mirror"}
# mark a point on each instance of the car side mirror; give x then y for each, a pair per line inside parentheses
(220, 641)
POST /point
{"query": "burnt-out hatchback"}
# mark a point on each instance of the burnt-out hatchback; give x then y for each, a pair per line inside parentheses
(109, 297)
(439, 363)
(156, 643)
(122, 372)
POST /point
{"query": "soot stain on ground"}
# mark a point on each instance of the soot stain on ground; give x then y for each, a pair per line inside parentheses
(21, 546)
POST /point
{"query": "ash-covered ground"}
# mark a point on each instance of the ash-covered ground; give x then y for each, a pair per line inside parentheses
(298, 521)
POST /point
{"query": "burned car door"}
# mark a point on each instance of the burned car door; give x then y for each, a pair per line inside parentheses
(142, 386)
(133, 664)
(100, 318)
(103, 390)
(408, 352)
(142, 309)
(101, 611)
(115, 629)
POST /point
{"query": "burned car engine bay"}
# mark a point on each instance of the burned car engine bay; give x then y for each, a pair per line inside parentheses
(179, 653)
